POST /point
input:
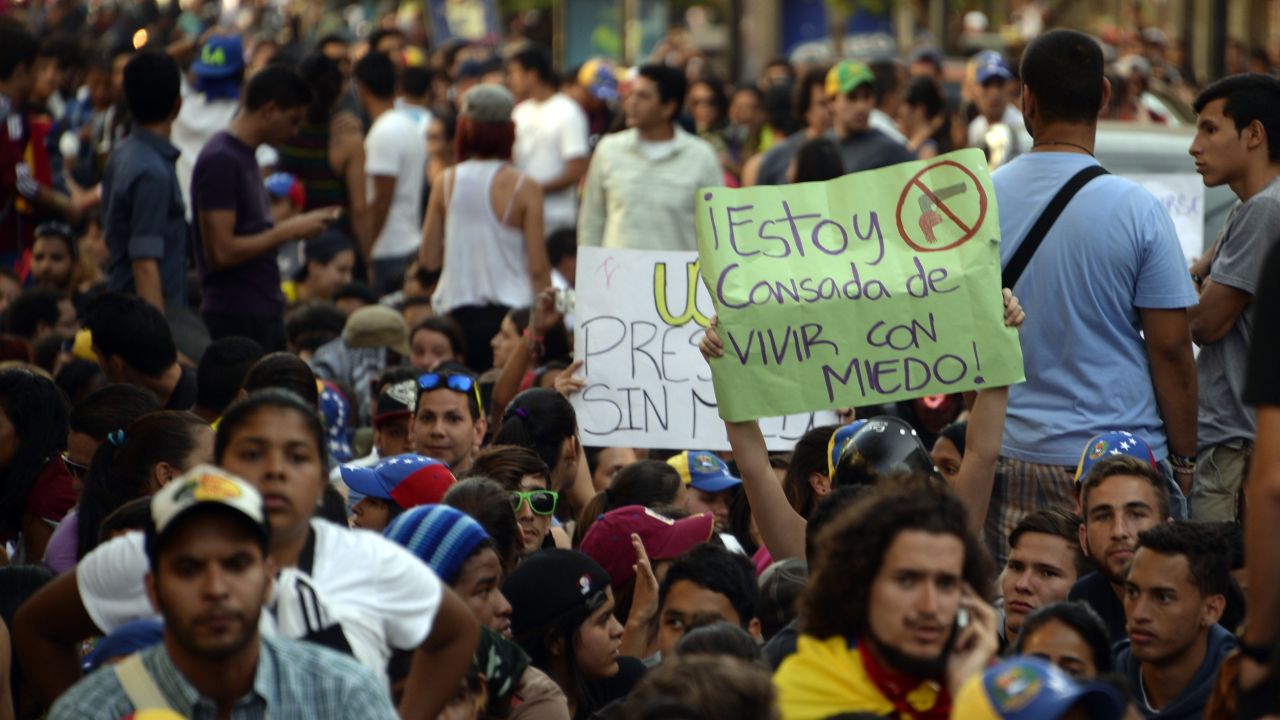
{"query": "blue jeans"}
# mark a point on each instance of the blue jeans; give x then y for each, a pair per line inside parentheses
(1178, 508)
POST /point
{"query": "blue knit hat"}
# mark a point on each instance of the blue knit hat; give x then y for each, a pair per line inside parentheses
(439, 535)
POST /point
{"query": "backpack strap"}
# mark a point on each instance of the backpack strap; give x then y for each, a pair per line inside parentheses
(139, 685)
(1018, 263)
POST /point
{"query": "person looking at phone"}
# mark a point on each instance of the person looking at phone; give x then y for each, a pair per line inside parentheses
(892, 622)
(235, 238)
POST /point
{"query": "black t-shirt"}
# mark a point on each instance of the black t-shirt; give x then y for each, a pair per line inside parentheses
(1263, 384)
(1096, 590)
(601, 694)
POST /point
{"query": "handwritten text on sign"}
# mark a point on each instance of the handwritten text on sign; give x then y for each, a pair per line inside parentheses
(874, 287)
(640, 316)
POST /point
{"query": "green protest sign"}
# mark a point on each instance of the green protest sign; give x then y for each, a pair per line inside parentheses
(870, 288)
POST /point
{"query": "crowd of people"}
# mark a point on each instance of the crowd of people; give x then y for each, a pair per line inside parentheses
(287, 364)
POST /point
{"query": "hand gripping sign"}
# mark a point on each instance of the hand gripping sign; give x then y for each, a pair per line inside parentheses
(870, 288)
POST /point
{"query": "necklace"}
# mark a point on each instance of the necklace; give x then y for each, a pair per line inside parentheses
(1062, 142)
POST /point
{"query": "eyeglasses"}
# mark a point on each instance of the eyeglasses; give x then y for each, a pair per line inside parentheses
(453, 381)
(541, 502)
(77, 470)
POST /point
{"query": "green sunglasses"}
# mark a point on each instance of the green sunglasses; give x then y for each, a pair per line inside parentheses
(541, 502)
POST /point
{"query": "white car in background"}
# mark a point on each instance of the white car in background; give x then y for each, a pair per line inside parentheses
(1130, 149)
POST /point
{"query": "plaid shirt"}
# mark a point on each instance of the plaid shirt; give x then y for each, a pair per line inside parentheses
(294, 680)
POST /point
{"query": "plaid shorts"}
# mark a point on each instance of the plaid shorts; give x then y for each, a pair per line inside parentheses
(1021, 488)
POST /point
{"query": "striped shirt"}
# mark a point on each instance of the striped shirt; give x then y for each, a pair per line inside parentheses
(293, 680)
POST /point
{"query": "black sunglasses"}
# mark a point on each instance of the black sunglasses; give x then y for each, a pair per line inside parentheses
(541, 502)
(453, 381)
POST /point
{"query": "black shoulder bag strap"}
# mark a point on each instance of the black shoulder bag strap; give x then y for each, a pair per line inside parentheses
(329, 636)
(1018, 263)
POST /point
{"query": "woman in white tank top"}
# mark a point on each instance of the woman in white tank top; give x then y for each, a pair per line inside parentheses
(484, 228)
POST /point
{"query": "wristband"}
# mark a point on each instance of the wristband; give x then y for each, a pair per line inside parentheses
(1182, 462)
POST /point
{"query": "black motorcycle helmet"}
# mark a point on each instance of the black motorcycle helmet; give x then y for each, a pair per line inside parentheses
(884, 446)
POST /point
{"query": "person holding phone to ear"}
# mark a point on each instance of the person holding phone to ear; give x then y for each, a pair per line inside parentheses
(893, 622)
(235, 239)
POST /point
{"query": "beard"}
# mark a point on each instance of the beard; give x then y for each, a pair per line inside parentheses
(220, 648)
(898, 660)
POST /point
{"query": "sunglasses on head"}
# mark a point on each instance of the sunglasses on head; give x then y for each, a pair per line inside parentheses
(452, 381)
(541, 502)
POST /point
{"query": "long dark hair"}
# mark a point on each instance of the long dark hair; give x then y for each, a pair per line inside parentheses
(540, 419)
(809, 456)
(122, 472)
(651, 483)
(38, 412)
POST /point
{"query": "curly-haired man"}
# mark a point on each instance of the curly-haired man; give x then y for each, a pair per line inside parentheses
(893, 620)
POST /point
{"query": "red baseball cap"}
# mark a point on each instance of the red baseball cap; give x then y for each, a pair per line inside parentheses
(608, 541)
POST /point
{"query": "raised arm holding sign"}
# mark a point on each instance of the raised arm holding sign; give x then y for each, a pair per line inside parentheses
(871, 288)
(823, 304)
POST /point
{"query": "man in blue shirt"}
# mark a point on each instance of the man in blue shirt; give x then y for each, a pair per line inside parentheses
(144, 219)
(1106, 344)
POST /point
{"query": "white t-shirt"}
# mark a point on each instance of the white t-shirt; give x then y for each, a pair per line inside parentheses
(381, 595)
(396, 148)
(548, 135)
(420, 115)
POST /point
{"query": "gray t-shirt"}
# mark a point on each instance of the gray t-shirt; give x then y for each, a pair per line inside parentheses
(1252, 230)
(870, 150)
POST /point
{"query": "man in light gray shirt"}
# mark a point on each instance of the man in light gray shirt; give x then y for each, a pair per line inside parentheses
(642, 182)
(1238, 117)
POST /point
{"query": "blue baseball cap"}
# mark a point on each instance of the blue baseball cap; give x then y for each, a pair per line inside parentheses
(1028, 688)
(408, 480)
(989, 65)
(702, 470)
(221, 57)
(125, 640)
(1111, 444)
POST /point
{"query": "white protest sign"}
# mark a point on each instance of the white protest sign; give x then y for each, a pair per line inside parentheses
(638, 320)
(1183, 196)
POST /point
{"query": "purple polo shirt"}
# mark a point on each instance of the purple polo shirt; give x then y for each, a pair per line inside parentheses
(227, 177)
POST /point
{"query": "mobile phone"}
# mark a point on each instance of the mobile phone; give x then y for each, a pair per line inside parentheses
(962, 618)
(566, 300)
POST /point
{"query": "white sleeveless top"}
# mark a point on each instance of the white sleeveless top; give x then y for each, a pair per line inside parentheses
(484, 258)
